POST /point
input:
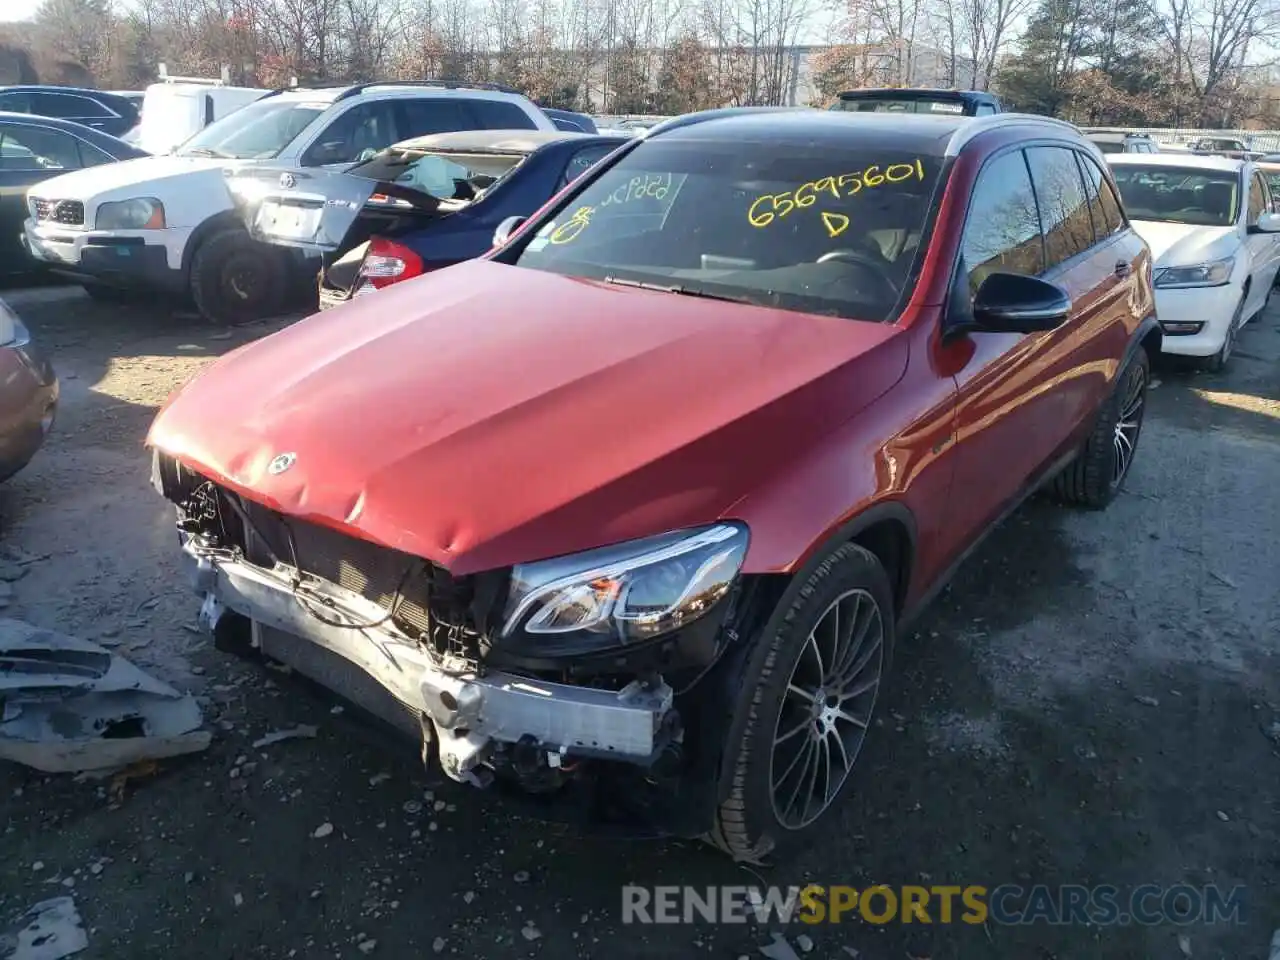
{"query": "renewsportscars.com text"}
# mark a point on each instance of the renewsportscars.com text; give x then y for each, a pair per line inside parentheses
(1007, 904)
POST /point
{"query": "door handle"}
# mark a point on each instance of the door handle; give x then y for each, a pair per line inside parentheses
(1123, 269)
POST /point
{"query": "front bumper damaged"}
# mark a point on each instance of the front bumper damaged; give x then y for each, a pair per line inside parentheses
(466, 711)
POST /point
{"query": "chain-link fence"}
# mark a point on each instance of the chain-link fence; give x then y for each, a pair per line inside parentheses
(1263, 141)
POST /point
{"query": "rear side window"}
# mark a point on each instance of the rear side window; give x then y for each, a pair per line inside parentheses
(15, 102)
(1103, 205)
(433, 115)
(500, 115)
(91, 156)
(1002, 234)
(1064, 209)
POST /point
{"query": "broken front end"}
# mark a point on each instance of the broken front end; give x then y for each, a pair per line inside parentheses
(598, 686)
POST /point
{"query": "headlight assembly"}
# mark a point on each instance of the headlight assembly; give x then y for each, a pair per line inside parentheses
(143, 213)
(1213, 273)
(626, 593)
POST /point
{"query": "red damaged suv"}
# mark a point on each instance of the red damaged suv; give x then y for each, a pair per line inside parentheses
(624, 517)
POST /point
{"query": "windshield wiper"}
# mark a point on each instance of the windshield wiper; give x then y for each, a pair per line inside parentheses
(206, 152)
(677, 289)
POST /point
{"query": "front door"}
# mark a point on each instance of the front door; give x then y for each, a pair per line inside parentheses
(1264, 248)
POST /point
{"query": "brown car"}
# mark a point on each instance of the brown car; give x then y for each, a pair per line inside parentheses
(28, 395)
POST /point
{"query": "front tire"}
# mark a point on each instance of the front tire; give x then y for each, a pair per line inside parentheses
(1097, 474)
(235, 279)
(1218, 362)
(808, 694)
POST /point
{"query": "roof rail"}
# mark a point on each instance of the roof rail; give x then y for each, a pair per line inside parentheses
(443, 83)
(701, 116)
(979, 125)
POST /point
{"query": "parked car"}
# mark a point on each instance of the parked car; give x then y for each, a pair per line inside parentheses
(28, 395)
(108, 112)
(166, 224)
(1211, 229)
(628, 513)
(1271, 171)
(1120, 141)
(1224, 147)
(415, 207)
(34, 149)
(135, 97)
(178, 108)
(969, 103)
(571, 121)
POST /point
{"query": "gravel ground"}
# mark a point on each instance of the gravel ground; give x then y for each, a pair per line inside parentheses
(1089, 702)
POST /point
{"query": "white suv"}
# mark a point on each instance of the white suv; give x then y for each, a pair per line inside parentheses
(167, 223)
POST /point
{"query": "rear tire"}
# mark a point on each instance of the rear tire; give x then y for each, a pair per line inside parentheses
(808, 697)
(235, 279)
(1097, 474)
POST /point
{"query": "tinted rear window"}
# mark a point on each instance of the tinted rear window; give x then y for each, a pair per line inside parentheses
(899, 105)
(1207, 198)
(807, 228)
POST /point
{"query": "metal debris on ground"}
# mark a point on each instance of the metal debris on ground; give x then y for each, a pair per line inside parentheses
(73, 706)
(323, 831)
(47, 931)
(780, 949)
(303, 731)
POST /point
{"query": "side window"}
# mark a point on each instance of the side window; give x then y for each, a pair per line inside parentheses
(91, 156)
(37, 148)
(583, 160)
(1103, 205)
(499, 115)
(1257, 199)
(1111, 210)
(1002, 234)
(366, 127)
(57, 105)
(1064, 210)
(427, 115)
(15, 102)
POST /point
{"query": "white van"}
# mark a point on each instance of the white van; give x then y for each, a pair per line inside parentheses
(174, 110)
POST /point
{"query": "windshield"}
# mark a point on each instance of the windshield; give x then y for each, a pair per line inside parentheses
(258, 131)
(1206, 198)
(802, 227)
(891, 105)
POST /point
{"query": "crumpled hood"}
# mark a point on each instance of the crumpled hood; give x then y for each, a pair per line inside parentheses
(120, 181)
(1180, 244)
(486, 414)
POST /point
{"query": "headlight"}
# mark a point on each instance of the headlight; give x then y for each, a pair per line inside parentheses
(143, 213)
(624, 593)
(1214, 273)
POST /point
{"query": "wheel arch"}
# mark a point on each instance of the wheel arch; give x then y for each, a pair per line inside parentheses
(1149, 336)
(226, 220)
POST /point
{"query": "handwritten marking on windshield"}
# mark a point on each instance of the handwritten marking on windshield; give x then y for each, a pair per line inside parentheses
(836, 223)
(568, 231)
(654, 186)
(774, 206)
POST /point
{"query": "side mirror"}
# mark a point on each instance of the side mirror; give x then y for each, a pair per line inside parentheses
(1267, 223)
(506, 228)
(1012, 303)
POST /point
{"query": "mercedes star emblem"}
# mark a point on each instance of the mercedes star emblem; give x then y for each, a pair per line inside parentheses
(281, 463)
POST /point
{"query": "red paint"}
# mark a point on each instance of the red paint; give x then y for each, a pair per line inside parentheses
(485, 414)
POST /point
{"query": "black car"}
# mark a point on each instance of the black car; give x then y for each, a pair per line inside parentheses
(38, 148)
(103, 111)
(967, 103)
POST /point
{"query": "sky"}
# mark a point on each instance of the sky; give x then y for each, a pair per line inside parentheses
(17, 9)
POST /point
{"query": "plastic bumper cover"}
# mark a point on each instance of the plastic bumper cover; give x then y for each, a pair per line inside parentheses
(466, 712)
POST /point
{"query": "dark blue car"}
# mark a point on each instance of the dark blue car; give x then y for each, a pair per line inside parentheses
(415, 207)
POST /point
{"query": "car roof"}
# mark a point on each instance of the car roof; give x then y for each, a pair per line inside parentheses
(333, 94)
(833, 128)
(1182, 160)
(929, 134)
(497, 141)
